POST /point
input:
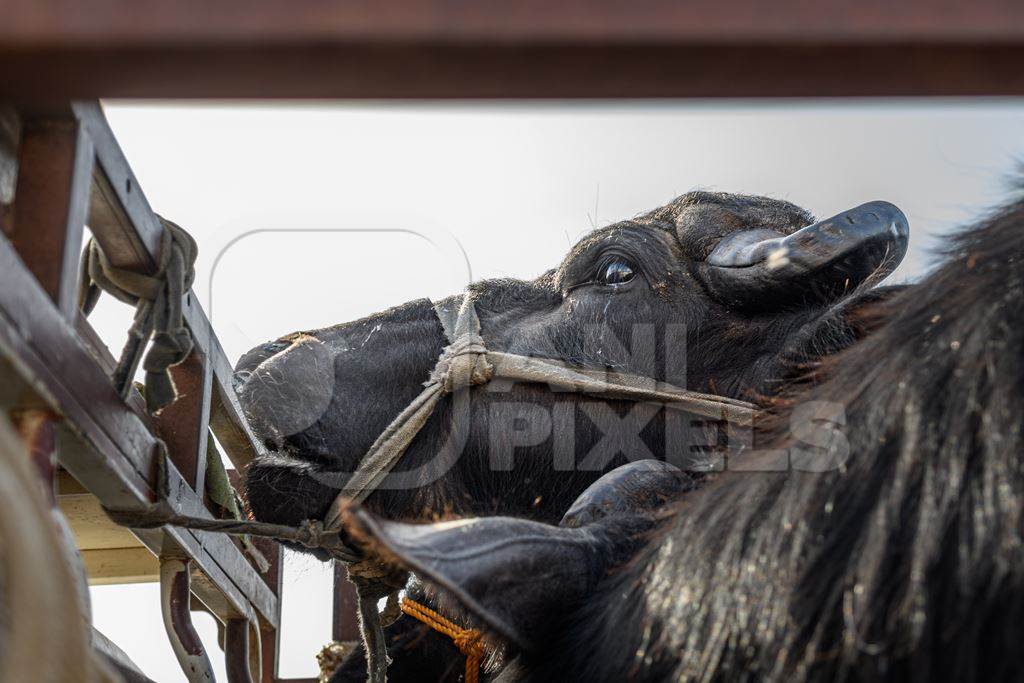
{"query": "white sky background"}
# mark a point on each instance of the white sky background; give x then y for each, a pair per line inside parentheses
(506, 189)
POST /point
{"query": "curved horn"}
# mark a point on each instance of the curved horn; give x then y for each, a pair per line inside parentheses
(816, 264)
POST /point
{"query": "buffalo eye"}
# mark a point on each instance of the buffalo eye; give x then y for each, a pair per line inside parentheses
(616, 271)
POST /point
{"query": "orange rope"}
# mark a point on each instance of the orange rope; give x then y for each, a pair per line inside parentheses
(468, 640)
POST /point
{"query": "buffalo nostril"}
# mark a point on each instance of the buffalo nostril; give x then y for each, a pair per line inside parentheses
(290, 390)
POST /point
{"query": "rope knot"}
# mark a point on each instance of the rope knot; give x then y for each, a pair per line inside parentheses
(469, 641)
(462, 364)
(157, 298)
(312, 533)
(377, 577)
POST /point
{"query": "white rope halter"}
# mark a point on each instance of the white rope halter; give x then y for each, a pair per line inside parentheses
(466, 362)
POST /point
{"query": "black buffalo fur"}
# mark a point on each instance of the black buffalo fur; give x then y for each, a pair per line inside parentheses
(905, 563)
(380, 363)
(382, 360)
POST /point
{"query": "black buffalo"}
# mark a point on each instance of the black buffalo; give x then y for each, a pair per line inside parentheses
(717, 293)
(903, 560)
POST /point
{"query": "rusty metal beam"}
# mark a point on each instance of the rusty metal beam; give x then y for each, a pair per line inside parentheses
(51, 201)
(269, 636)
(498, 71)
(345, 615)
(227, 420)
(237, 653)
(119, 216)
(52, 49)
(67, 23)
(183, 425)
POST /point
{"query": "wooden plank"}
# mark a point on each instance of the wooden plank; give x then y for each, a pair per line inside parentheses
(108, 447)
(91, 527)
(110, 566)
(52, 198)
(68, 485)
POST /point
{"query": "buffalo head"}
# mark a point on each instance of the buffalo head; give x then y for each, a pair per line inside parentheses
(717, 293)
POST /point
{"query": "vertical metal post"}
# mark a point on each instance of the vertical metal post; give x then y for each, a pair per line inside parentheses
(236, 651)
(270, 634)
(51, 202)
(345, 626)
(183, 425)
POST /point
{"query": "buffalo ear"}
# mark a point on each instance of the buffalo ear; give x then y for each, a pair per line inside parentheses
(518, 578)
(511, 576)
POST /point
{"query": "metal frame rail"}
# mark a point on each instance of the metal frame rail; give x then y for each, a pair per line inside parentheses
(495, 48)
(70, 172)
